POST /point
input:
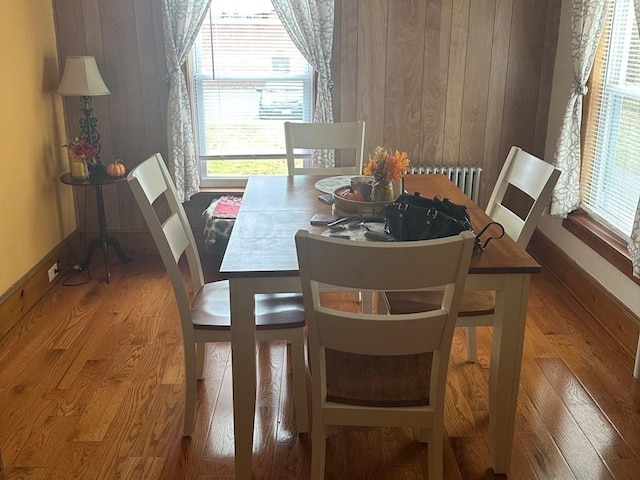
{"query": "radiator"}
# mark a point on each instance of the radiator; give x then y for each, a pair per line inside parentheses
(466, 178)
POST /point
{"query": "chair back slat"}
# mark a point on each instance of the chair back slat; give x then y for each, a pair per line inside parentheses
(395, 335)
(176, 236)
(389, 266)
(343, 135)
(511, 222)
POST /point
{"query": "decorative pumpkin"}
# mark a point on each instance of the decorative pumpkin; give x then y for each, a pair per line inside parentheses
(353, 196)
(116, 169)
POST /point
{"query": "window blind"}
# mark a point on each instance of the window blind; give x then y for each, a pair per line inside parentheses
(249, 78)
(610, 174)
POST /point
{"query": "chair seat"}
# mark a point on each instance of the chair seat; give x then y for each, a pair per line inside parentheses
(211, 306)
(472, 304)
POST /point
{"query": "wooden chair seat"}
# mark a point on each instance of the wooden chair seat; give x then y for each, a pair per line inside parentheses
(398, 381)
(211, 306)
(472, 303)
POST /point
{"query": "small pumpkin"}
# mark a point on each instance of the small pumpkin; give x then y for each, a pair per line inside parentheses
(353, 196)
(116, 169)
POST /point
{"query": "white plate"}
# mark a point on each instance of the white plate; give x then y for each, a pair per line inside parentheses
(329, 184)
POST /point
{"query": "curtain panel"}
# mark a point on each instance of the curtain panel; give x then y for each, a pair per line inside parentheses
(181, 20)
(587, 20)
(310, 26)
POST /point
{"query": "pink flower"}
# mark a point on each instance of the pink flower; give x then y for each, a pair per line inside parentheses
(82, 149)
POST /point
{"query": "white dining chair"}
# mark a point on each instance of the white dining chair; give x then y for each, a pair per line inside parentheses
(380, 266)
(521, 193)
(204, 309)
(343, 136)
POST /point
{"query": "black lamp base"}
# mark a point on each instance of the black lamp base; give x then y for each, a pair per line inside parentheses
(89, 125)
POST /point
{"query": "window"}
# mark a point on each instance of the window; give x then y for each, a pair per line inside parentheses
(610, 176)
(248, 79)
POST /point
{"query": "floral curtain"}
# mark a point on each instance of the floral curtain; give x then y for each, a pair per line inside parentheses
(310, 26)
(181, 20)
(634, 242)
(587, 20)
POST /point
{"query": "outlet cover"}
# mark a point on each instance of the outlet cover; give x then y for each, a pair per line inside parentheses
(53, 272)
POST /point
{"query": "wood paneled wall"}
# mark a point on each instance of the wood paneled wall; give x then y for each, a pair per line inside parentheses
(127, 40)
(453, 82)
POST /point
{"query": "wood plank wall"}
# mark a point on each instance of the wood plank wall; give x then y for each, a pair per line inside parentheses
(127, 40)
(453, 82)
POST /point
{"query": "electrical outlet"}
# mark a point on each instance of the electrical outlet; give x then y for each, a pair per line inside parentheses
(53, 272)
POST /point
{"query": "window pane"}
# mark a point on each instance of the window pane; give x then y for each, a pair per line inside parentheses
(249, 78)
(610, 178)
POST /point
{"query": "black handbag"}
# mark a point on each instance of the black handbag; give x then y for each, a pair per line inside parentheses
(414, 217)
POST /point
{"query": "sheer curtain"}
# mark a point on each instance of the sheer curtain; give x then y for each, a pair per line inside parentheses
(310, 26)
(587, 20)
(634, 243)
(181, 20)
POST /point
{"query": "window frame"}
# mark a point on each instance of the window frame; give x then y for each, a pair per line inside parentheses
(196, 82)
(590, 228)
(615, 93)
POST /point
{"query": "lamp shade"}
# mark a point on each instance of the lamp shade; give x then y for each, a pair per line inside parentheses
(81, 77)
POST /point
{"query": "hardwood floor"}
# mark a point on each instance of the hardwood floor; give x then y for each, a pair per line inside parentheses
(91, 387)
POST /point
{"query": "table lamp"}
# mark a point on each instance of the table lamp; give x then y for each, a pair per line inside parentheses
(82, 78)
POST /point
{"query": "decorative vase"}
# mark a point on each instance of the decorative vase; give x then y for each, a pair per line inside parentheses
(78, 167)
(382, 191)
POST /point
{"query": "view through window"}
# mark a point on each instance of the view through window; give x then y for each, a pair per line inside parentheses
(610, 176)
(249, 78)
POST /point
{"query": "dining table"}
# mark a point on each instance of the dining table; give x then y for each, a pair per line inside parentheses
(261, 258)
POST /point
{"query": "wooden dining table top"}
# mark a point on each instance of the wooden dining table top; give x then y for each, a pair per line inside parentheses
(274, 208)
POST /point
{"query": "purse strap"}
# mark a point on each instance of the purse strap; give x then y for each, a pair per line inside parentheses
(482, 246)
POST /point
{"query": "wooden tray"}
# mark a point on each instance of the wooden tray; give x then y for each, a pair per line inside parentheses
(351, 208)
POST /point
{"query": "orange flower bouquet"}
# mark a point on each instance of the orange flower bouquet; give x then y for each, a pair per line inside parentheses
(385, 166)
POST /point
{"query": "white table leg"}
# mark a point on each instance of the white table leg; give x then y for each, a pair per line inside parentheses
(243, 357)
(506, 359)
(636, 367)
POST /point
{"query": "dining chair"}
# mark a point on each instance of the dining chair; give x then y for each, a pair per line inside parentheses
(204, 310)
(519, 197)
(339, 136)
(380, 266)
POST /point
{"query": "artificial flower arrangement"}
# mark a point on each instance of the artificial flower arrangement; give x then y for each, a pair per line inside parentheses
(387, 166)
(82, 158)
(81, 149)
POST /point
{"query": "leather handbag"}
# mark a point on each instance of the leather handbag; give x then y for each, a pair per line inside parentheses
(414, 217)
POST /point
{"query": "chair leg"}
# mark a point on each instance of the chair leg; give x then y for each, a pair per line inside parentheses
(472, 349)
(436, 453)
(299, 374)
(318, 447)
(190, 388)
(200, 350)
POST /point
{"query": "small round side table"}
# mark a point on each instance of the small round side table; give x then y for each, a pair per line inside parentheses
(103, 240)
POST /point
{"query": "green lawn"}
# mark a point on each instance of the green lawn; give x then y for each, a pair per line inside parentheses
(248, 167)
